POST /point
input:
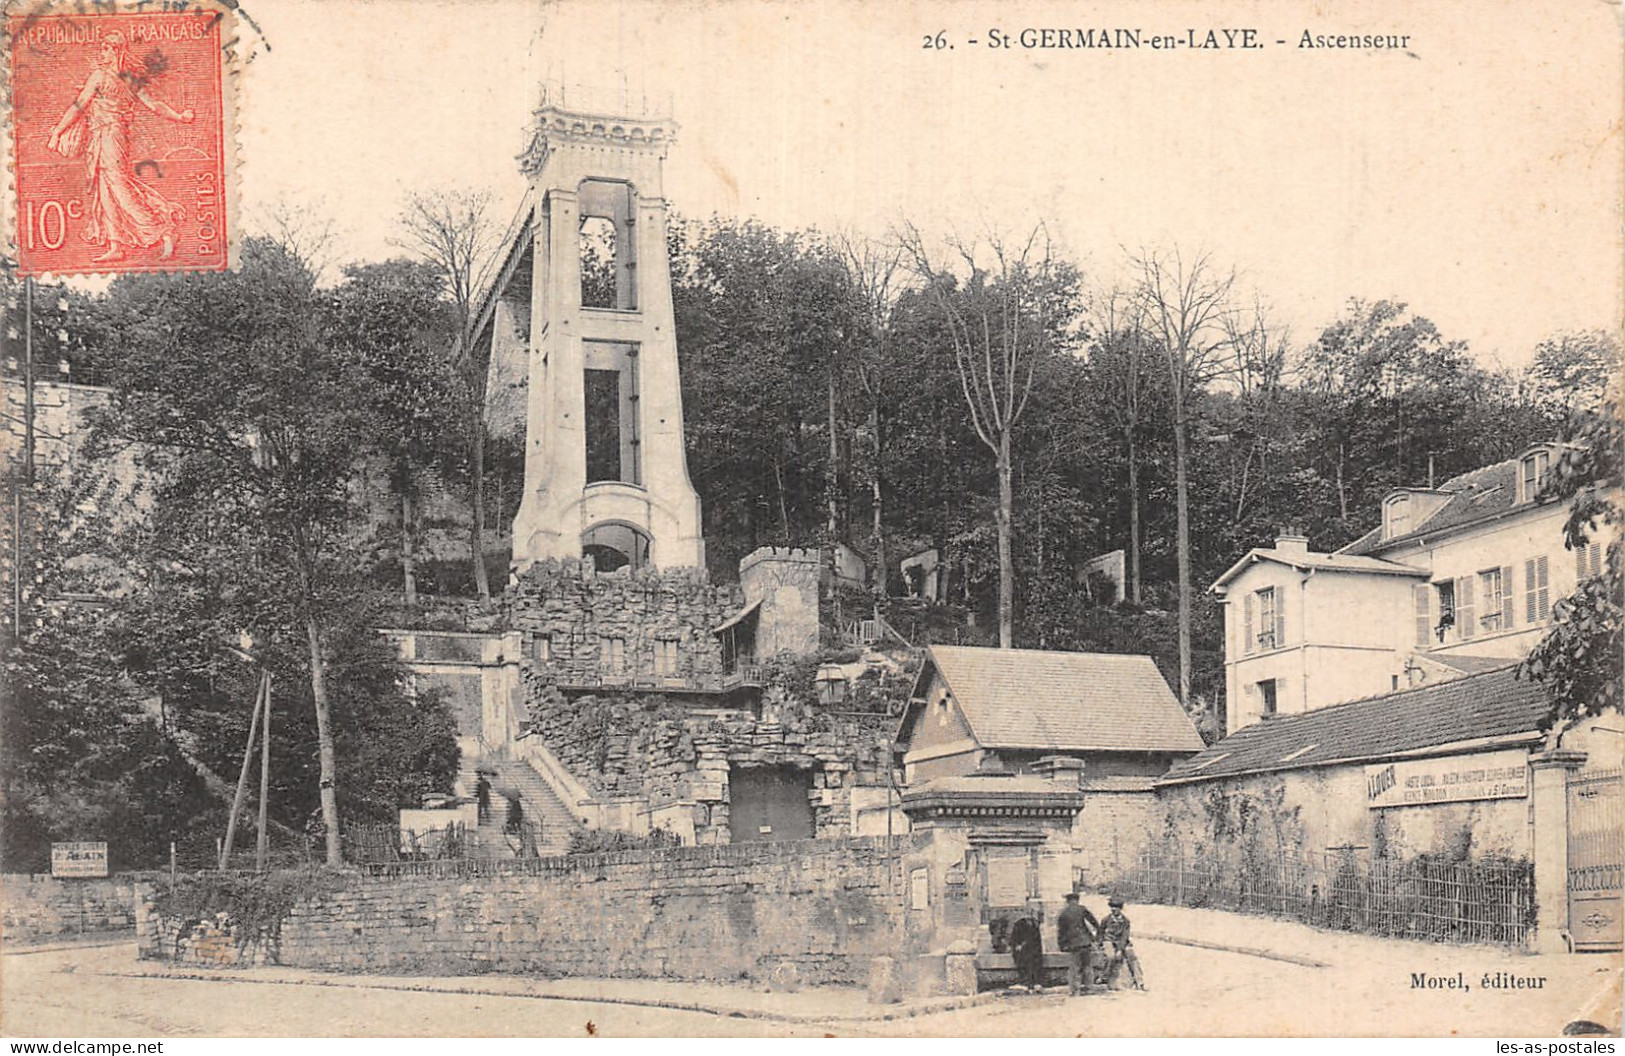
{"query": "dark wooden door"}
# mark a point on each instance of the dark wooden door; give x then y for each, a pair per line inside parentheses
(769, 803)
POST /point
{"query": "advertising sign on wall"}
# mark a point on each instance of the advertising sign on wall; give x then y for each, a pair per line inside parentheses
(1456, 779)
(78, 859)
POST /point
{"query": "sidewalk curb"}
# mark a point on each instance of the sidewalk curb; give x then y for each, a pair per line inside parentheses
(91, 941)
(1250, 951)
(947, 1004)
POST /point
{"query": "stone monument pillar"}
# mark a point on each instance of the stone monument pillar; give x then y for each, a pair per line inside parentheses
(987, 848)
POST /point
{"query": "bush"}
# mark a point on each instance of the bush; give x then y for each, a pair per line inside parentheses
(607, 841)
(254, 906)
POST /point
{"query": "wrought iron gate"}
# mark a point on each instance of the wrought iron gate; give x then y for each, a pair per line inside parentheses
(1596, 858)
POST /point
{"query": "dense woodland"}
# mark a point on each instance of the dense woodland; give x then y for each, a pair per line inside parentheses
(983, 397)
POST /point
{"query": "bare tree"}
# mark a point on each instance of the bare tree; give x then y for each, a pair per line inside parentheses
(1185, 303)
(1001, 319)
(873, 270)
(306, 232)
(1257, 365)
(1119, 361)
(453, 230)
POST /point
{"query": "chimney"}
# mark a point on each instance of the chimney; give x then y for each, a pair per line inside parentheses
(1288, 541)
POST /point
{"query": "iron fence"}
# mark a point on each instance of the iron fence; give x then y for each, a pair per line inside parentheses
(1431, 900)
(388, 844)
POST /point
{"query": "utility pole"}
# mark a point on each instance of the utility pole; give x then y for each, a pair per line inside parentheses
(28, 460)
(242, 776)
(262, 849)
(28, 380)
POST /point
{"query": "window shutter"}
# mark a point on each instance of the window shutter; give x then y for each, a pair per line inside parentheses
(1423, 595)
(1464, 608)
(1543, 570)
(1531, 613)
(1506, 598)
(1280, 618)
(1587, 563)
(1248, 642)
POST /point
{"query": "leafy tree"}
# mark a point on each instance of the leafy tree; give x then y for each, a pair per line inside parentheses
(1572, 369)
(761, 316)
(81, 757)
(390, 320)
(453, 231)
(1580, 659)
(251, 511)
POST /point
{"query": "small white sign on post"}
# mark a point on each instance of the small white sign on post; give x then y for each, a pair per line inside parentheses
(1454, 779)
(78, 859)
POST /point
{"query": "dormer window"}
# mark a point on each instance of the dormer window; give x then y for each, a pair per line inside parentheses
(1533, 471)
(1397, 516)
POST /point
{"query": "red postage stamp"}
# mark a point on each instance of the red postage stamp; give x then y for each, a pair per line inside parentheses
(121, 124)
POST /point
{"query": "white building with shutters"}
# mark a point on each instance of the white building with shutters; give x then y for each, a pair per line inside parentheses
(1456, 580)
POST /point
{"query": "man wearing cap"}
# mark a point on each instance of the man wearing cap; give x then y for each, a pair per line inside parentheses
(1075, 934)
(1115, 930)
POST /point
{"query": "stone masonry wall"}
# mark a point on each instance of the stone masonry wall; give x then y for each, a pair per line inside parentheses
(650, 746)
(814, 910)
(785, 581)
(37, 908)
(575, 609)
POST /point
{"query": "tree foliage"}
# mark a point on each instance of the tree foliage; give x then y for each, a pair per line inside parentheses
(1581, 661)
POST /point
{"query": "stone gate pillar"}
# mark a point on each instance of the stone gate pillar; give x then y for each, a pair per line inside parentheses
(1551, 845)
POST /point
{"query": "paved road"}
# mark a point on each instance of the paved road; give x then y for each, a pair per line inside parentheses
(88, 992)
(68, 994)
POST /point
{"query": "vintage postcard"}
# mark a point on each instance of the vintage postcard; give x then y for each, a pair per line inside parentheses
(577, 518)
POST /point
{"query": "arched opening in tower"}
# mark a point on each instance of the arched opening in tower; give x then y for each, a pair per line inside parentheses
(614, 545)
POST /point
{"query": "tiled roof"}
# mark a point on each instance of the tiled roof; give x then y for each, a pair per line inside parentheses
(1496, 704)
(1116, 783)
(1028, 698)
(1474, 496)
(1339, 562)
(1472, 665)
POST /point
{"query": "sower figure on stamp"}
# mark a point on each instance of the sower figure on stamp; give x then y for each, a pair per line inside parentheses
(122, 210)
(1115, 930)
(1075, 934)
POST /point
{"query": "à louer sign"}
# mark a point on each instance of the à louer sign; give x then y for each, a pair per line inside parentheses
(78, 859)
(1456, 779)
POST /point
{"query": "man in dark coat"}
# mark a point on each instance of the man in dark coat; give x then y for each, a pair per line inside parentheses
(1027, 949)
(482, 797)
(1076, 929)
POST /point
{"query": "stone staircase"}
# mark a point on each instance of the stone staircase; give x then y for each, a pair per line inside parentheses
(541, 805)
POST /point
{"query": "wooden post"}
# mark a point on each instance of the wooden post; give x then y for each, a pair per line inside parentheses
(242, 778)
(262, 849)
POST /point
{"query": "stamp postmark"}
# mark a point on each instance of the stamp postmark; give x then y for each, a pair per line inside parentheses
(121, 130)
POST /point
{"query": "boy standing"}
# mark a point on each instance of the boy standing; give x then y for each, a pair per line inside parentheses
(1115, 930)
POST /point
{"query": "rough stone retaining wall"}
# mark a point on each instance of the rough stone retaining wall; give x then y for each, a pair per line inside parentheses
(576, 611)
(38, 908)
(816, 911)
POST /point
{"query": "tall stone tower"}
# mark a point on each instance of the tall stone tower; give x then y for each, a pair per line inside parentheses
(582, 314)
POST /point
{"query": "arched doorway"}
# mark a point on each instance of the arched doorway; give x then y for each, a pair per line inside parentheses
(615, 545)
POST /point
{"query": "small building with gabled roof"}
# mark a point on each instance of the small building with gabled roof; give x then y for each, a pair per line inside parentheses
(974, 708)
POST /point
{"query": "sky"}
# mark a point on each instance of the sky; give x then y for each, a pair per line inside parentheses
(1475, 173)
